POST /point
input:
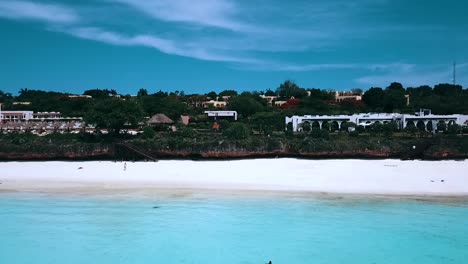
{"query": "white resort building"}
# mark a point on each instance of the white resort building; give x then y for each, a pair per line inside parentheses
(347, 95)
(270, 99)
(15, 116)
(215, 104)
(38, 122)
(422, 119)
(217, 114)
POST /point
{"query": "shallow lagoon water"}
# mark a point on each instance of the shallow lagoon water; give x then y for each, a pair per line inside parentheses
(197, 227)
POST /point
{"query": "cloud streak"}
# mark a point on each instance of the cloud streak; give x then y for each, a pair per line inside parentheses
(164, 45)
(372, 67)
(35, 11)
(211, 13)
(236, 32)
(415, 75)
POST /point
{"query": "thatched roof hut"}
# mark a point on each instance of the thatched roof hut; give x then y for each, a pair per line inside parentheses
(159, 119)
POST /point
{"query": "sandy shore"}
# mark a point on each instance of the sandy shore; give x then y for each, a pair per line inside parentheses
(386, 177)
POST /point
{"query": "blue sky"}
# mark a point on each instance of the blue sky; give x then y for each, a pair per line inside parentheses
(204, 45)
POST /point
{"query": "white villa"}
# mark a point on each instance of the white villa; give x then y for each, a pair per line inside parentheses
(21, 121)
(216, 114)
(347, 95)
(420, 119)
(213, 103)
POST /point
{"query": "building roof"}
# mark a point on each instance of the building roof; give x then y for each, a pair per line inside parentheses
(160, 119)
(185, 119)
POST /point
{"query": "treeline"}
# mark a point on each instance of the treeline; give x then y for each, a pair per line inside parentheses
(107, 108)
(259, 131)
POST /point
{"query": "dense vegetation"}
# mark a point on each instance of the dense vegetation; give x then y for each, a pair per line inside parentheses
(260, 128)
(442, 99)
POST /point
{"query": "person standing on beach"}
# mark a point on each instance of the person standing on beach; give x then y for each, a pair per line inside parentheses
(125, 166)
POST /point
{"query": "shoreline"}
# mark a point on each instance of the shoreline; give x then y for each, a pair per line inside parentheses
(221, 156)
(300, 176)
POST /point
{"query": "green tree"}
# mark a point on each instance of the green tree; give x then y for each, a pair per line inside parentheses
(142, 92)
(351, 107)
(114, 114)
(172, 106)
(148, 132)
(312, 105)
(245, 105)
(346, 125)
(430, 127)
(320, 133)
(356, 91)
(230, 93)
(374, 98)
(395, 86)
(394, 98)
(411, 129)
(448, 90)
(100, 94)
(237, 131)
(441, 126)
(267, 122)
(187, 132)
(454, 129)
(290, 89)
(41, 100)
(305, 127)
(224, 124)
(269, 93)
(5, 96)
(320, 94)
(390, 128)
(376, 127)
(212, 95)
(160, 94)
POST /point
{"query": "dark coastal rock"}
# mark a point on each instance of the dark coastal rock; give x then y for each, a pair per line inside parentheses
(426, 149)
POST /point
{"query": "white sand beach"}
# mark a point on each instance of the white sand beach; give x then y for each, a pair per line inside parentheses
(386, 177)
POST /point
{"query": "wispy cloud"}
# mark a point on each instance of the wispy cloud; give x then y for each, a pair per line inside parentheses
(164, 45)
(35, 11)
(237, 32)
(213, 13)
(67, 20)
(415, 75)
(371, 67)
(237, 38)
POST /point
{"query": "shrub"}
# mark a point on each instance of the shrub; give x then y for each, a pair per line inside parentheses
(186, 132)
(148, 132)
(237, 131)
(224, 124)
(454, 129)
(320, 133)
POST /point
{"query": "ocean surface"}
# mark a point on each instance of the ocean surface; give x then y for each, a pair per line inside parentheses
(209, 228)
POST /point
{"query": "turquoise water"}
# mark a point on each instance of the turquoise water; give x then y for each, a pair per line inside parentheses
(214, 228)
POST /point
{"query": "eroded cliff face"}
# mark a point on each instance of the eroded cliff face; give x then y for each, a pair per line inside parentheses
(424, 149)
(64, 152)
(446, 154)
(346, 154)
(357, 148)
(274, 154)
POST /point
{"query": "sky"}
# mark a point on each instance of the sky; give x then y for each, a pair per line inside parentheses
(214, 45)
